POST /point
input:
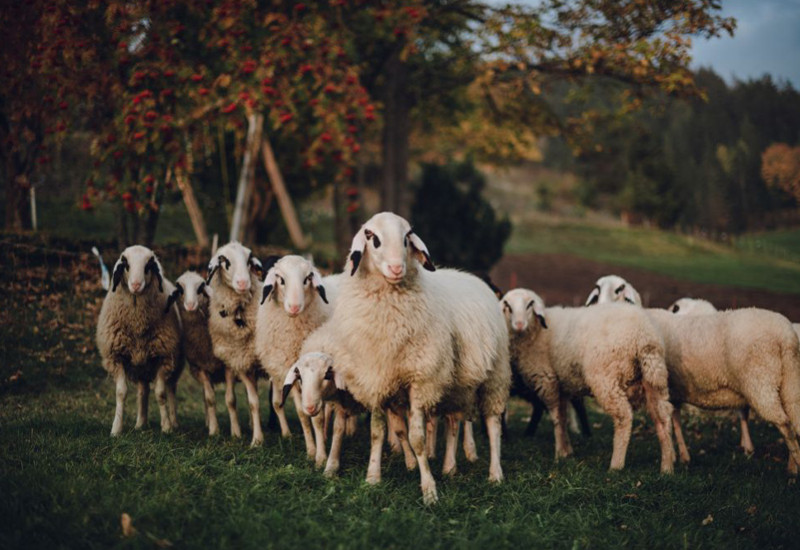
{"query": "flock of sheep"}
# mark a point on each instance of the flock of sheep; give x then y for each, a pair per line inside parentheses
(409, 343)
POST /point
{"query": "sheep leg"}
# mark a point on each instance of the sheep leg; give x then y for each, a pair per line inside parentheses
(495, 432)
(536, 417)
(339, 427)
(770, 408)
(683, 451)
(161, 397)
(563, 414)
(746, 443)
(397, 424)
(142, 402)
(230, 402)
(121, 393)
(377, 433)
(580, 411)
(416, 433)
(279, 410)
(470, 450)
(431, 430)
(327, 412)
(352, 425)
(318, 422)
(305, 423)
(451, 428)
(615, 403)
(394, 443)
(210, 403)
(250, 384)
(573, 421)
(660, 410)
(172, 403)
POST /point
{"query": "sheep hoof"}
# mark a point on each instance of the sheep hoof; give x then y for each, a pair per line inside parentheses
(320, 462)
(496, 477)
(429, 496)
(411, 464)
(373, 479)
(257, 442)
(685, 458)
(449, 471)
(471, 456)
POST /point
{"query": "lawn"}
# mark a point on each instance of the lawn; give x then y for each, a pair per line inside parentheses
(768, 260)
(65, 483)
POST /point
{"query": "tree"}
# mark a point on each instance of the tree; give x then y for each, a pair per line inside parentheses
(780, 167)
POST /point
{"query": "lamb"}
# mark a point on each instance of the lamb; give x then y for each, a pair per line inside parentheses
(613, 288)
(395, 337)
(192, 297)
(293, 305)
(610, 351)
(718, 361)
(233, 277)
(139, 336)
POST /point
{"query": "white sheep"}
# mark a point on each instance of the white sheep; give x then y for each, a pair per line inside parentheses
(394, 327)
(692, 306)
(192, 298)
(139, 336)
(234, 274)
(611, 352)
(293, 304)
(613, 288)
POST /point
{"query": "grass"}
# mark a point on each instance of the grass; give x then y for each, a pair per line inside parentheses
(769, 261)
(65, 483)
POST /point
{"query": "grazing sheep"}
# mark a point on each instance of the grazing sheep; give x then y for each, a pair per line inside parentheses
(610, 351)
(613, 288)
(192, 298)
(293, 304)
(395, 336)
(139, 336)
(233, 279)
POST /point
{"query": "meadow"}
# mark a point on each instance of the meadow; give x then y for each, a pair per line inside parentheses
(65, 483)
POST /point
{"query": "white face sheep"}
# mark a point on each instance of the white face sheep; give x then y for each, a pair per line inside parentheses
(191, 295)
(564, 352)
(613, 288)
(293, 304)
(233, 276)
(138, 335)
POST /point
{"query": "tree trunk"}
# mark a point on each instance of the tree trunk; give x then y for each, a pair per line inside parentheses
(255, 123)
(282, 194)
(193, 208)
(17, 197)
(396, 131)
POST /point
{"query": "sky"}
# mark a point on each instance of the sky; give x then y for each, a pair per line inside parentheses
(766, 40)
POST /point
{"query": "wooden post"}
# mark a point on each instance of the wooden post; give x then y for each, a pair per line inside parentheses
(195, 214)
(284, 199)
(255, 122)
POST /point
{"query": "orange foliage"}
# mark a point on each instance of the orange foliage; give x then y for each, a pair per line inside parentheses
(780, 166)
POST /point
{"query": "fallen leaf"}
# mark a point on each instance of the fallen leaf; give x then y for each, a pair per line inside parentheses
(128, 530)
(709, 519)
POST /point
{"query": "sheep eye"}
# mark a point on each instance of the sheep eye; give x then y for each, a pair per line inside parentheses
(530, 305)
(506, 307)
(281, 281)
(619, 289)
(308, 279)
(675, 309)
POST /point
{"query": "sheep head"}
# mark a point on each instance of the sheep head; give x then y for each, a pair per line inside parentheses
(315, 373)
(386, 244)
(234, 263)
(613, 288)
(520, 307)
(193, 288)
(138, 267)
(692, 306)
(293, 280)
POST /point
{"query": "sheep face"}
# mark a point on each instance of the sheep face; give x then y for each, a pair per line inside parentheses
(192, 287)
(386, 244)
(315, 373)
(522, 308)
(613, 288)
(293, 280)
(138, 267)
(233, 263)
(691, 306)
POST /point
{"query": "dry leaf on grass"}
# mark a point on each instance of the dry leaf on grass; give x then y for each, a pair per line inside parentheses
(128, 530)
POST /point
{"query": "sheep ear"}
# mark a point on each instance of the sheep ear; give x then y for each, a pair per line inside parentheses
(541, 320)
(538, 311)
(631, 296)
(270, 261)
(420, 251)
(292, 377)
(357, 248)
(173, 297)
(152, 265)
(119, 270)
(256, 266)
(202, 289)
(675, 308)
(213, 266)
(269, 284)
(594, 296)
(329, 373)
(316, 282)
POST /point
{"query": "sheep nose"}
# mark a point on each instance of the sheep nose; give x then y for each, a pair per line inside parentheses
(519, 325)
(311, 410)
(135, 286)
(242, 284)
(190, 306)
(396, 269)
(294, 309)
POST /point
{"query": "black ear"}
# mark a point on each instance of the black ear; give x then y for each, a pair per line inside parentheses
(211, 274)
(122, 265)
(329, 373)
(152, 265)
(428, 263)
(676, 308)
(287, 388)
(265, 293)
(321, 291)
(541, 320)
(201, 290)
(355, 257)
(270, 261)
(173, 297)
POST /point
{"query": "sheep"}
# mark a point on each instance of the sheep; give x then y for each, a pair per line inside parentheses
(395, 325)
(139, 336)
(613, 288)
(692, 306)
(233, 277)
(610, 351)
(192, 297)
(293, 304)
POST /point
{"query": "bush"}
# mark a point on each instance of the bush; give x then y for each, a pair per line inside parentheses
(459, 226)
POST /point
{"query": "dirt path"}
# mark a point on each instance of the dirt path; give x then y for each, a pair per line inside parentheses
(567, 280)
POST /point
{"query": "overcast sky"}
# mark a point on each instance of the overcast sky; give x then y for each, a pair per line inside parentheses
(767, 40)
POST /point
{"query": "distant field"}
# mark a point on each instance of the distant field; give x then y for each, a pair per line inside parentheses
(767, 260)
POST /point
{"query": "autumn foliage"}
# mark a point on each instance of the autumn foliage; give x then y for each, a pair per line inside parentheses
(780, 167)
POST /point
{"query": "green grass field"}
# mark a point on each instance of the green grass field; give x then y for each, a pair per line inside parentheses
(769, 260)
(65, 482)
